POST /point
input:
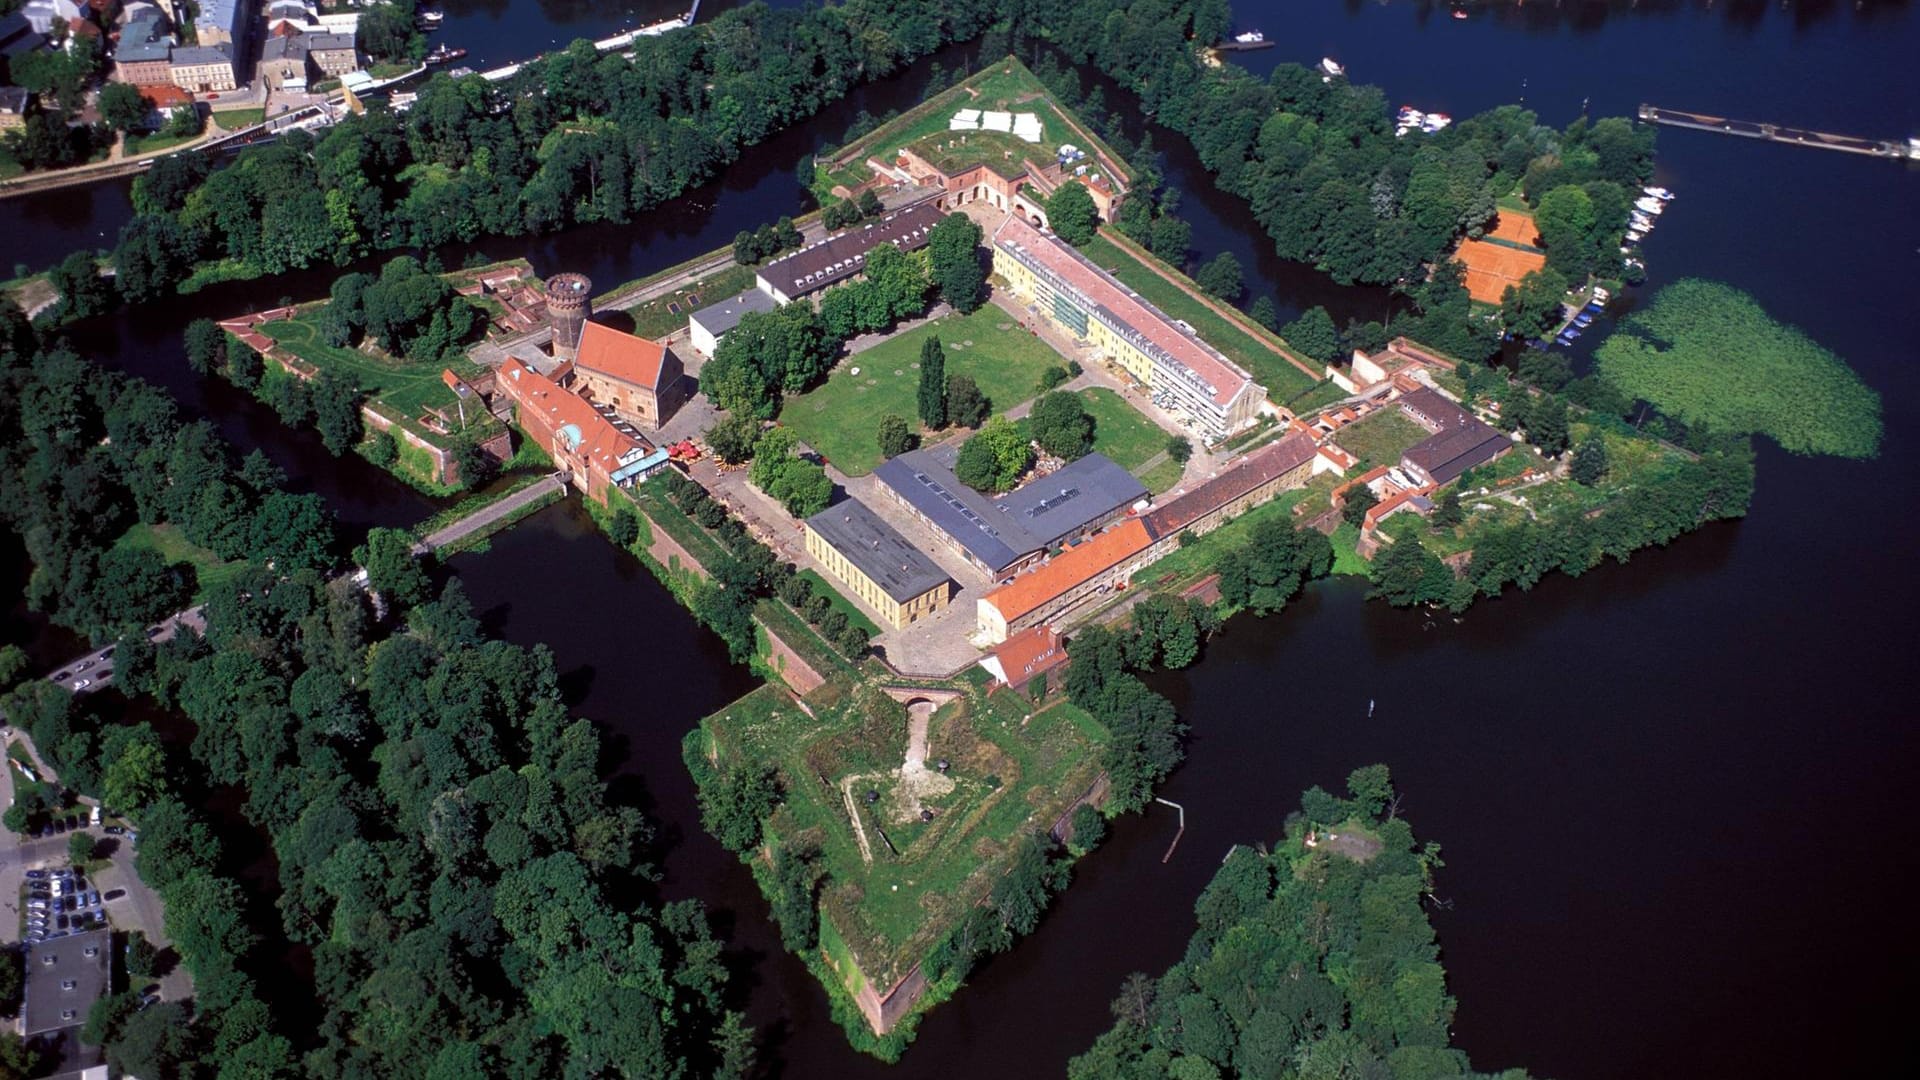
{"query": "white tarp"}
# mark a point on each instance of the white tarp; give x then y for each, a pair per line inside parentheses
(969, 116)
(1027, 126)
(997, 121)
(957, 124)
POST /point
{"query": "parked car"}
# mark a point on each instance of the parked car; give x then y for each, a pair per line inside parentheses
(114, 894)
(114, 830)
(63, 675)
(83, 665)
(83, 684)
(92, 898)
(155, 631)
(36, 875)
(62, 921)
(107, 653)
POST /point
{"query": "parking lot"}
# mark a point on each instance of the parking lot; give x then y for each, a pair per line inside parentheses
(58, 902)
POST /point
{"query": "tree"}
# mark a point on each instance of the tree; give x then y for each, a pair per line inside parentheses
(1059, 422)
(1087, 827)
(870, 204)
(732, 438)
(475, 463)
(137, 775)
(735, 803)
(392, 568)
(122, 107)
(77, 279)
(1360, 499)
(1221, 277)
(1406, 573)
(1547, 424)
(336, 411)
(14, 666)
(1179, 448)
(995, 458)
(1171, 239)
(1590, 461)
(1565, 219)
(966, 405)
(383, 449)
(1449, 513)
(932, 398)
(953, 253)
(1532, 307)
(1266, 314)
(624, 528)
(80, 848)
(895, 437)
(1313, 334)
(1072, 215)
(388, 31)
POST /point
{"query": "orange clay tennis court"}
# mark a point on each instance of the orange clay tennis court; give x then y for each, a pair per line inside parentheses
(1514, 226)
(1492, 267)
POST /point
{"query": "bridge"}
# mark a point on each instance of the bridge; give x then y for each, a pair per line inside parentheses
(1749, 129)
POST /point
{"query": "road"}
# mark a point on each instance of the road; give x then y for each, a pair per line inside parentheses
(84, 674)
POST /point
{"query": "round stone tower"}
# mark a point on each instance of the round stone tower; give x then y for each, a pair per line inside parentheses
(569, 303)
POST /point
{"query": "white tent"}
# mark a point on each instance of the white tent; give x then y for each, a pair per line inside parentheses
(997, 121)
(1027, 126)
(969, 116)
(957, 124)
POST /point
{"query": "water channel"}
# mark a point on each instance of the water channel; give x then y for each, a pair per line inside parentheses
(1669, 793)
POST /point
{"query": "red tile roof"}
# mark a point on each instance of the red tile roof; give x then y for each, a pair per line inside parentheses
(623, 356)
(1226, 378)
(547, 409)
(1029, 653)
(1033, 590)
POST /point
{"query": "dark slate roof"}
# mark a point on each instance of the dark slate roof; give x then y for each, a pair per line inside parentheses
(725, 315)
(281, 47)
(1260, 467)
(999, 532)
(844, 255)
(17, 35)
(1453, 451)
(881, 553)
(51, 965)
(324, 42)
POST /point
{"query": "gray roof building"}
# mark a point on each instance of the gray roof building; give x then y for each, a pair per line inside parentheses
(717, 319)
(1459, 441)
(285, 47)
(999, 533)
(844, 255)
(64, 978)
(219, 20)
(195, 55)
(877, 550)
(19, 36)
(144, 38)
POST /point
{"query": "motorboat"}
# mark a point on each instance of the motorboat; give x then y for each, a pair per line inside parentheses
(441, 54)
(1251, 37)
(1651, 205)
(432, 18)
(1331, 67)
(1659, 193)
(1583, 320)
(1636, 235)
(1459, 14)
(1435, 121)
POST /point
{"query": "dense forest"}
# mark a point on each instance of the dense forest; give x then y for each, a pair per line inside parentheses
(471, 902)
(1314, 960)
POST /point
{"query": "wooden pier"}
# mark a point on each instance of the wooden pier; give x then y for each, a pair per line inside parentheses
(1748, 129)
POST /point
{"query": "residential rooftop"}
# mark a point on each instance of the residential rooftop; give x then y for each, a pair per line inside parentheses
(845, 254)
(1069, 570)
(626, 357)
(65, 977)
(1260, 467)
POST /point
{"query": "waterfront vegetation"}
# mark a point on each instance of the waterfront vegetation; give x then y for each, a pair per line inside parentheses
(408, 388)
(436, 818)
(1184, 301)
(1314, 959)
(1708, 355)
(840, 417)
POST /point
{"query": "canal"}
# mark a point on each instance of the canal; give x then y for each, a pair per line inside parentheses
(1669, 792)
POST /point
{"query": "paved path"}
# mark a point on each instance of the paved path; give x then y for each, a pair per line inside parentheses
(491, 513)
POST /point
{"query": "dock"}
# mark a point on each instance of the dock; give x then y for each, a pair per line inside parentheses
(1749, 129)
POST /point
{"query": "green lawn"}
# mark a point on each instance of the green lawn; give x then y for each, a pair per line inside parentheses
(235, 119)
(1379, 439)
(840, 418)
(174, 547)
(1120, 431)
(823, 587)
(658, 318)
(1317, 398)
(147, 144)
(1163, 476)
(404, 386)
(1282, 379)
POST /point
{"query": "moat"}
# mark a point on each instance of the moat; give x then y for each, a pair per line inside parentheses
(1647, 780)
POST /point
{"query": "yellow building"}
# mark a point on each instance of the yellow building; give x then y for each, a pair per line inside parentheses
(1186, 376)
(881, 568)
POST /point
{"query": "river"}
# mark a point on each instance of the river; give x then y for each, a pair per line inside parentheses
(1669, 793)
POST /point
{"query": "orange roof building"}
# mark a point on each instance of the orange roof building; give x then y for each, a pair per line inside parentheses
(1027, 655)
(596, 454)
(642, 380)
(1095, 566)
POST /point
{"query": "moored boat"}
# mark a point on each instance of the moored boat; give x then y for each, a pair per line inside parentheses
(1331, 67)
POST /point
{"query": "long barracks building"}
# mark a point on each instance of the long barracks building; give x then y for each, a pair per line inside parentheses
(1185, 375)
